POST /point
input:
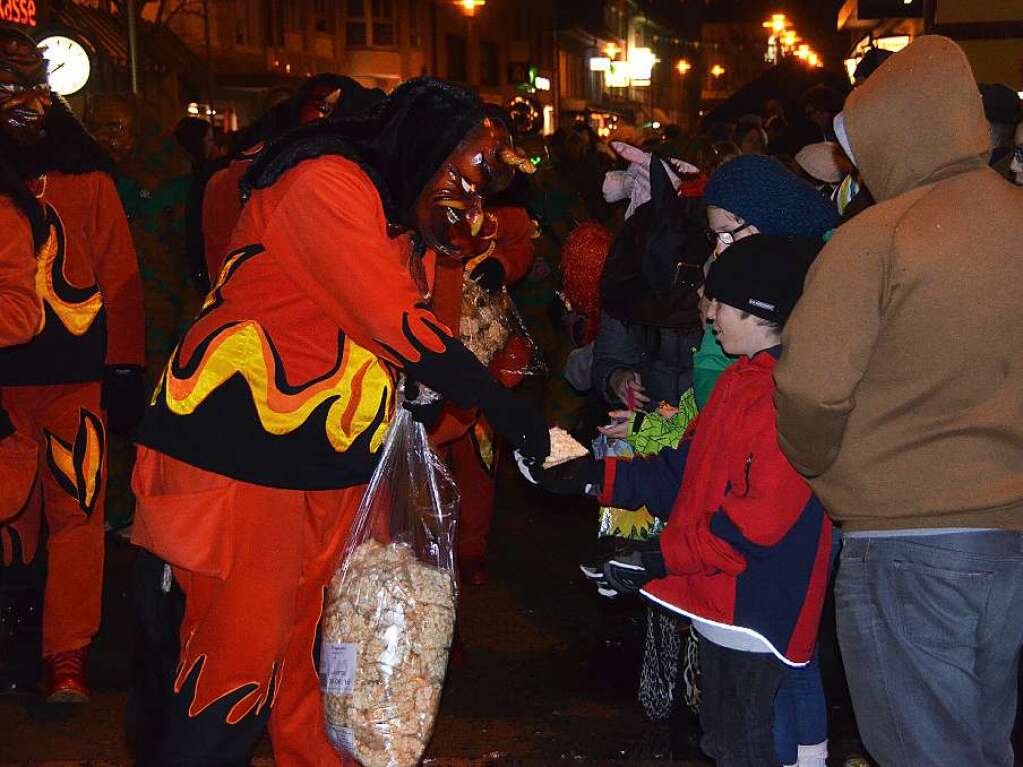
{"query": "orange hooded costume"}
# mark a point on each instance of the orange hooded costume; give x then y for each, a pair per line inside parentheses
(268, 421)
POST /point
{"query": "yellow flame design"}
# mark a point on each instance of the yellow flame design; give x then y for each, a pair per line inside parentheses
(357, 388)
(77, 317)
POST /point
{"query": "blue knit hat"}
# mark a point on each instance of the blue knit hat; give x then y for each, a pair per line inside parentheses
(763, 192)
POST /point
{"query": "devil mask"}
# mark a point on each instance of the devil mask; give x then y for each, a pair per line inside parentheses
(449, 211)
(429, 149)
(24, 92)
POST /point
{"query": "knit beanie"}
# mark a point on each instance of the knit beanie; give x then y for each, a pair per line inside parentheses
(762, 274)
(764, 193)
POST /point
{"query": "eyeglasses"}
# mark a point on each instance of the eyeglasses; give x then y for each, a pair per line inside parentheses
(725, 238)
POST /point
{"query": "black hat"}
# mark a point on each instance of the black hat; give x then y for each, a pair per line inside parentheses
(1001, 103)
(762, 274)
(871, 61)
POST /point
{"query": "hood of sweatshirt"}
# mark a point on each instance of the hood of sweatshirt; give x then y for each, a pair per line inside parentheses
(918, 119)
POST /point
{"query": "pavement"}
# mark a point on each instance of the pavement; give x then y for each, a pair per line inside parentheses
(549, 676)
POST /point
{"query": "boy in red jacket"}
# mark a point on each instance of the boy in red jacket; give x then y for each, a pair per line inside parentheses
(745, 553)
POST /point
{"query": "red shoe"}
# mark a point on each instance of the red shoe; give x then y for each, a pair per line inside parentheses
(65, 674)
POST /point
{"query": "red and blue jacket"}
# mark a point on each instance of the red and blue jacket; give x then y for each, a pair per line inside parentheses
(747, 544)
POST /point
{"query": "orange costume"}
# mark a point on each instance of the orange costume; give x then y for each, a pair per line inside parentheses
(268, 421)
(87, 278)
(302, 375)
(21, 309)
(221, 208)
(463, 437)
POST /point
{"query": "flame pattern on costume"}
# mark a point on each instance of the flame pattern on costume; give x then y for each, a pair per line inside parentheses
(359, 384)
(78, 467)
(76, 307)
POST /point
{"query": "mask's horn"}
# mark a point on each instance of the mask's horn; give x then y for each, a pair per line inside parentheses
(511, 157)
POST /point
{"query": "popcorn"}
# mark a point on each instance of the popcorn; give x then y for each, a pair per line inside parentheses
(564, 448)
(395, 616)
(485, 327)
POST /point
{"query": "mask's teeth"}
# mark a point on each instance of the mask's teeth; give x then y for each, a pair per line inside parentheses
(475, 225)
(452, 216)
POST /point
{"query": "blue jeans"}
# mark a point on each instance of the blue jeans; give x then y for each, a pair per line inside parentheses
(737, 705)
(800, 711)
(931, 629)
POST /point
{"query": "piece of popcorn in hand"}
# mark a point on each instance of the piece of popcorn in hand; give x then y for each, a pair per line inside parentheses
(564, 448)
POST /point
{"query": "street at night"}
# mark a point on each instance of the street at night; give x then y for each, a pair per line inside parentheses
(481, 383)
(550, 671)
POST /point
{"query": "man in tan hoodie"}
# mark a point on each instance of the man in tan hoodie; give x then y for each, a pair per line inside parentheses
(900, 396)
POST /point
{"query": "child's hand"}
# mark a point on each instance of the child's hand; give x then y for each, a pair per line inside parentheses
(619, 427)
(628, 387)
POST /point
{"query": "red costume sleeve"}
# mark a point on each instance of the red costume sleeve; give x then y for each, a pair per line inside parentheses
(221, 207)
(117, 274)
(515, 242)
(21, 310)
(329, 235)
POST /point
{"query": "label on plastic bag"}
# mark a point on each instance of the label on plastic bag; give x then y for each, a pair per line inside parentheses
(337, 668)
(341, 737)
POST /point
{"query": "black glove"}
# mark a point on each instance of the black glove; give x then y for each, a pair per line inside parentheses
(580, 476)
(6, 427)
(123, 397)
(426, 412)
(489, 274)
(517, 420)
(460, 377)
(631, 569)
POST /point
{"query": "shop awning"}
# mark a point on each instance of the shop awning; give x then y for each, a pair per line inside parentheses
(160, 50)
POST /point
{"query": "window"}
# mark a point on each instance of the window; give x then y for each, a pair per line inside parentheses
(413, 24)
(355, 26)
(364, 16)
(325, 16)
(383, 22)
(490, 63)
(292, 12)
(457, 60)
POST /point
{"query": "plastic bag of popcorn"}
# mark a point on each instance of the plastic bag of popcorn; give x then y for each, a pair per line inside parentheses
(390, 613)
(494, 331)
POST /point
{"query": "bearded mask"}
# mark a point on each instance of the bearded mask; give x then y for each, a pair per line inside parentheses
(24, 93)
(113, 122)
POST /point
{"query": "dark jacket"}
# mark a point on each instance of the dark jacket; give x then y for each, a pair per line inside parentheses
(663, 357)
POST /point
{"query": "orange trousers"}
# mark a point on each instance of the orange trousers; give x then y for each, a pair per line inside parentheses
(253, 563)
(473, 459)
(68, 489)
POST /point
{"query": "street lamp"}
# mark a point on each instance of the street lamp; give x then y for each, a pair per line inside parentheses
(777, 23)
(717, 70)
(683, 67)
(468, 7)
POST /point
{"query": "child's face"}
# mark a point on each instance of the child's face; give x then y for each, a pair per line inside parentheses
(737, 332)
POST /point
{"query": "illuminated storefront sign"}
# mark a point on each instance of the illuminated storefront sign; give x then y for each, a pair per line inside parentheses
(21, 12)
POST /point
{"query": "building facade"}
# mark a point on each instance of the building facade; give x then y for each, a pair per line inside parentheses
(991, 33)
